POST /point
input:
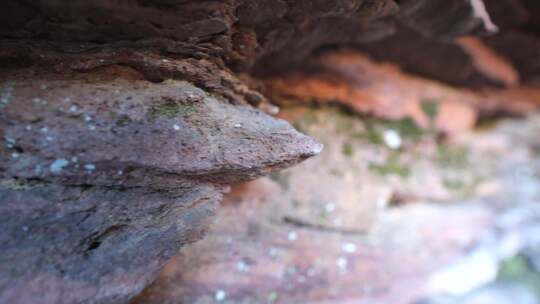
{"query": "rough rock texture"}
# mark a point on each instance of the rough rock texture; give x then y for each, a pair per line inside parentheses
(388, 226)
(268, 35)
(102, 180)
(383, 90)
(516, 40)
(124, 121)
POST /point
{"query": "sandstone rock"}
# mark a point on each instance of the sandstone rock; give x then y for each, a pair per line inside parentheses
(124, 122)
(103, 181)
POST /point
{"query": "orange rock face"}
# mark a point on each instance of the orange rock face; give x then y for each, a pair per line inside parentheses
(382, 89)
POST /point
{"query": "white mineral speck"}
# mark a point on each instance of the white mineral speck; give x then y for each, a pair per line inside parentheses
(120, 172)
(242, 266)
(273, 252)
(176, 127)
(238, 125)
(330, 207)
(342, 264)
(10, 142)
(87, 118)
(74, 159)
(292, 236)
(90, 167)
(392, 139)
(91, 127)
(28, 128)
(44, 129)
(15, 155)
(220, 295)
(58, 165)
(349, 247)
(73, 108)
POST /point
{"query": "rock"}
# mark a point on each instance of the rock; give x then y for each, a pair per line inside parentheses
(411, 214)
(124, 122)
(112, 177)
(351, 79)
(497, 293)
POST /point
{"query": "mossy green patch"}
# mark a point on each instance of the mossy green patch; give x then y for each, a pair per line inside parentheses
(430, 108)
(513, 267)
(171, 109)
(303, 123)
(20, 184)
(392, 166)
(282, 178)
(454, 184)
(519, 270)
(407, 128)
(374, 136)
(486, 123)
(347, 149)
(453, 156)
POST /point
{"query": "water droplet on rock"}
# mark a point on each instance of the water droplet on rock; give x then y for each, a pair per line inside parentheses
(58, 165)
(220, 295)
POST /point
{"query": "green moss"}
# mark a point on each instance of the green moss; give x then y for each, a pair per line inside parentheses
(513, 267)
(374, 136)
(299, 127)
(171, 109)
(518, 269)
(303, 124)
(391, 167)
(310, 118)
(282, 178)
(344, 123)
(430, 108)
(486, 123)
(347, 149)
(454, 184)
(20, 184)
(407, 128)
(453, 156)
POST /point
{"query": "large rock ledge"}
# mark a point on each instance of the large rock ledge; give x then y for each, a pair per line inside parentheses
(103, 180)
(123, 122)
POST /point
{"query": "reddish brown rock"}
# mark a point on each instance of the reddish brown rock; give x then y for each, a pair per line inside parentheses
(103, 180)
(124, 122)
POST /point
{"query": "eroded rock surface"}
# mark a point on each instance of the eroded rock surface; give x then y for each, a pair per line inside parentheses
(124, 121)
(366, 222)
(103, 181)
